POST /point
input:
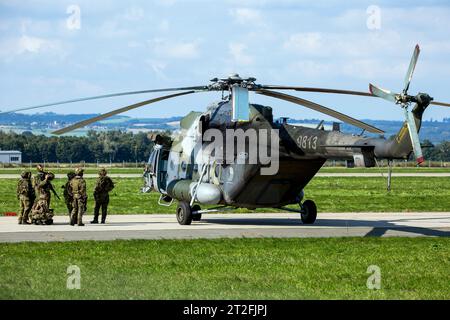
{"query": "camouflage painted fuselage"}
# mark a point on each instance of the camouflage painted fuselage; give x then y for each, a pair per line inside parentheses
(302, 152)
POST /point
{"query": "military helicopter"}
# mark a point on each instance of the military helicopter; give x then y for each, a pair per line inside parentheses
(177, 173)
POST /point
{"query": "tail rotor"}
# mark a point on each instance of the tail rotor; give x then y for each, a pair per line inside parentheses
(405, 100)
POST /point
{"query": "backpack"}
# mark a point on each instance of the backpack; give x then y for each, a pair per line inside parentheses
(78, 186)
(22, 188)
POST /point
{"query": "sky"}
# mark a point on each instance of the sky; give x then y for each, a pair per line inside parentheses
(58, 50)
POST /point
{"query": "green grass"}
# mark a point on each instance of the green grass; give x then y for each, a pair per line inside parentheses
(384, 170)
(411, 268)
(360, 194)
(90, 169)
(64, 170)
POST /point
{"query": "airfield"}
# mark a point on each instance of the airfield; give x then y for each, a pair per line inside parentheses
(330, 174)
(258, 225)
(132, 223)
(143, 253)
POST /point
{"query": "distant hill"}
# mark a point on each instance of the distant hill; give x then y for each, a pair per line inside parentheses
(44, 123)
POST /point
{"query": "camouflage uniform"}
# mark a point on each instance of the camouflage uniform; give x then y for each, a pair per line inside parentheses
(25, 193)
(102, 188)
(41, 211)
(68, 197)
(78, 189)
(43, 186)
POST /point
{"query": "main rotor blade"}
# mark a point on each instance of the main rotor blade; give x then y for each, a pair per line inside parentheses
(117, 111)
(442, 104)
(348, 92)
(383, 93)
(106, 96)
(412, 67)
(322, 109)
(320, 90)
(412, 128)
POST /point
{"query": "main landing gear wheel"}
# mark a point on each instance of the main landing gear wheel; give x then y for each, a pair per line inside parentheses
(184, 213)
(196, 216)
(309, 212)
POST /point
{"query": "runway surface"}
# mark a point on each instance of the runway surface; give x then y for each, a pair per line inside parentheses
(278, 225)
(337, 174)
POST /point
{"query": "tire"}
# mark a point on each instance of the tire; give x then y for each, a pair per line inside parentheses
(184, 213)
(309, 212)
(197, 216)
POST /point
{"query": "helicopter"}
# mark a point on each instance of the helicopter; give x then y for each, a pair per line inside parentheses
(208, 163)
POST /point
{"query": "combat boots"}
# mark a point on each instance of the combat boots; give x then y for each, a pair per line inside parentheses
(80, 220)
(95, 221)
(25, 220)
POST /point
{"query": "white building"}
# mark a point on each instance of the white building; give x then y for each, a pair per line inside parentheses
(10, 156)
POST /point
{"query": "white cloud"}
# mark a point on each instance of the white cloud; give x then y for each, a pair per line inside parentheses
(177, 49)
(28, 45)
(307, 43)
(247, 16)
(365, 44)
(237, 51)
(164, 25)
(283, 41)
(158, 67)
(134, 14)
(113, 29)
(166, 3)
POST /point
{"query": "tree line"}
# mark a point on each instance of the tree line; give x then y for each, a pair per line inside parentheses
(438, 152)
(108, 146)
(118, 146)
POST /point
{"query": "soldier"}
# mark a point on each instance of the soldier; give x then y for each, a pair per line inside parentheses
(102, 188)
(43, 185)
(41, 211)
(25, 193)
(40, 171)
(78, 189)
(68, 199)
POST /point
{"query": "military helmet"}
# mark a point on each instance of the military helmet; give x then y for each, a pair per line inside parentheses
(25, 174)
(71, 175)
(50, 176)
(79, 171)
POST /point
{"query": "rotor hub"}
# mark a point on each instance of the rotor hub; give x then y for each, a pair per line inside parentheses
(225, 84)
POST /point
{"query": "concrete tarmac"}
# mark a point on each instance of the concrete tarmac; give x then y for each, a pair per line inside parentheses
(337, 174)
(257, 225)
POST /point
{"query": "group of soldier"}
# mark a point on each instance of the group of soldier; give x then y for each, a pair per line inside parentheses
(34, 194)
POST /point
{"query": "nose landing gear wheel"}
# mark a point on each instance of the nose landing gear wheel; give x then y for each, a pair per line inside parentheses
(184, 213)
(309, 212)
